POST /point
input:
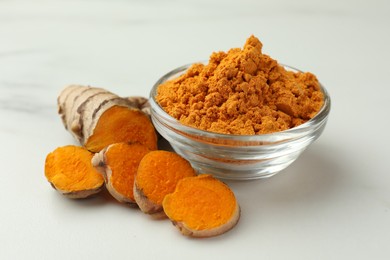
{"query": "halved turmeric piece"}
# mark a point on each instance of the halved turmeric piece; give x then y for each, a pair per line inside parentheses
(70, 171)
(157, 175)
(202, 206)
(121, 124)
(98, 118)
(118, 163)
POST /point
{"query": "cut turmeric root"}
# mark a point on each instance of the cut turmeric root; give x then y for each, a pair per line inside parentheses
(98, 118)
(157, 175)
(119, 163)
(70, 172)
(202, 206)
(120, 124)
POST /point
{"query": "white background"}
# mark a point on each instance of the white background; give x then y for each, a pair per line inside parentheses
(332, 203)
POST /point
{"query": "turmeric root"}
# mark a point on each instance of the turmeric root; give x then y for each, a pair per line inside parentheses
(98, 118)
(202, 206)
(141, 103)
(157, 175)
(70, 172)
(118, 163)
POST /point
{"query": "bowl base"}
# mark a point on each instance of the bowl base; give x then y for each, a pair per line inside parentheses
(227, 174)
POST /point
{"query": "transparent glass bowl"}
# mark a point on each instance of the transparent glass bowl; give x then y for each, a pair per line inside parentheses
(237, 157)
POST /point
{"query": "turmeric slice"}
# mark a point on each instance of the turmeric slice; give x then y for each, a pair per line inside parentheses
(157, 175)
(118, 163)
(71, 173)
(98, 118)
(202, 206)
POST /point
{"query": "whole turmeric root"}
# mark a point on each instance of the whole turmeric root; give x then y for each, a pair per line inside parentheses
(70, 172)
(98, 118)
(157, 175)
(202, 206)
(119, 163)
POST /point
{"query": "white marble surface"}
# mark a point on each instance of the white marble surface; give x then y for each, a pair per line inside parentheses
(333, 203)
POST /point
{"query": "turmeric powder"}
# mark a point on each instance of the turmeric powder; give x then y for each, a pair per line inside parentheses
(243, 92)
(202, 206)
(118, 163)
(157, 175)
(98, 118)
(71, 173)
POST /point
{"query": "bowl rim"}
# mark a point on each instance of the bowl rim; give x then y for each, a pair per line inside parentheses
(321, 116)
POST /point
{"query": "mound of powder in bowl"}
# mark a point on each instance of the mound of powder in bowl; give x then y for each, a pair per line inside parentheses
(242, 92)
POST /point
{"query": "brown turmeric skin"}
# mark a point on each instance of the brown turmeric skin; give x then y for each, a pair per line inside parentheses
(98, 118)
(70, 171)
(157, 175)
(243, 92)
(202, 206)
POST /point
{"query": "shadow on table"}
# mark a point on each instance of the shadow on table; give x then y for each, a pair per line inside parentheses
(315, 175)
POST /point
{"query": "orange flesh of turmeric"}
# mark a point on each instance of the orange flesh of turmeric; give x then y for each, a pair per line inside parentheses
(201, 202)
(158, 173)
(69, 168)
(121, 124)
(123, 159)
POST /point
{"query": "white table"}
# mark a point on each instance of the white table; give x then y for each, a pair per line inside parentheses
(332, 203)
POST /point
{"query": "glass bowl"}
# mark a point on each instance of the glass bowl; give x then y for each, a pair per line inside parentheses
(237, 157)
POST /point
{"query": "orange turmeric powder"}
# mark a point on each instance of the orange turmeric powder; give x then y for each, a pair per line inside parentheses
(157, 175)
(242, 92)
(202, 206)
(70, 171)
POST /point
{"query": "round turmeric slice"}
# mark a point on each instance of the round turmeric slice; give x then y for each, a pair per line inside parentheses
(202, 206)
(70, 172)
(157, 175)
(119, 163)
